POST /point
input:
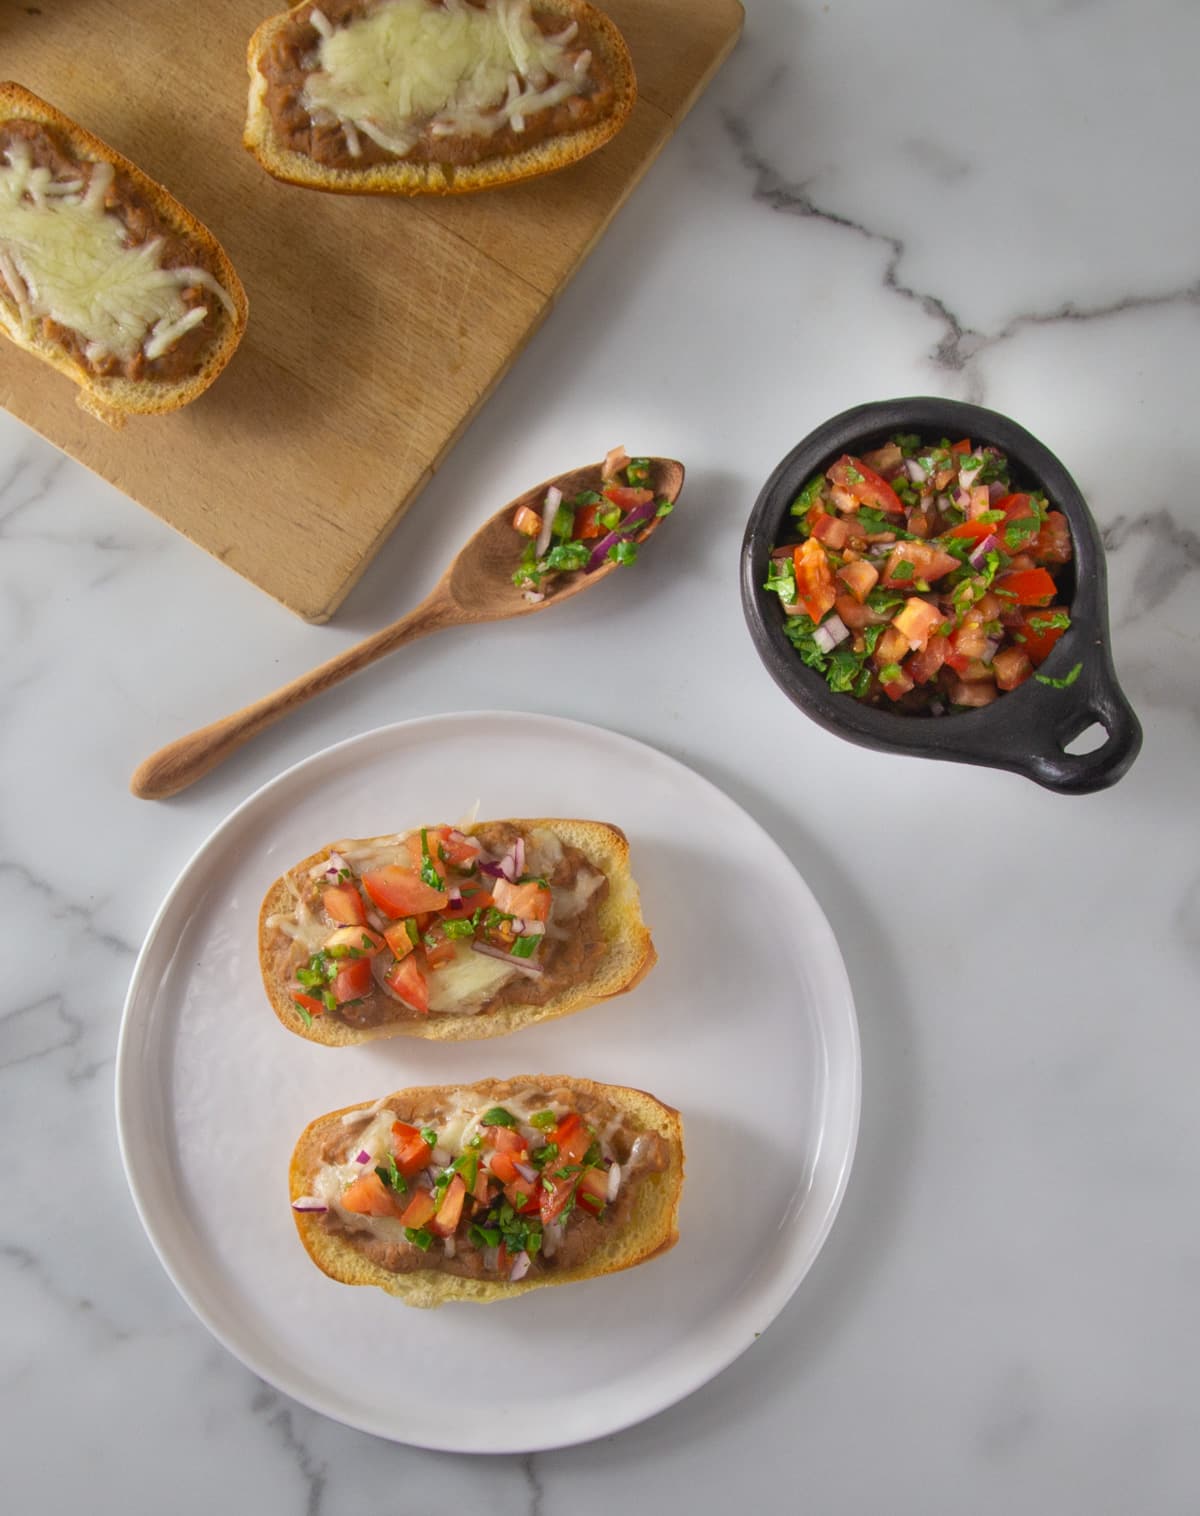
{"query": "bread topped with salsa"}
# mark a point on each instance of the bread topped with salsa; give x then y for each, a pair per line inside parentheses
(485, 1191)
(103, 274)
(452, 933)
(415, 97)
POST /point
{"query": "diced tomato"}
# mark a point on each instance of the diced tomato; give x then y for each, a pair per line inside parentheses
(857, 616)
(400, 892)
(927, 562)
(962, 447)
(587, 525)
(1053, 543)
(524, 1197)
(1012, 666)
(409, 1149)
(369, 1196)
(592, 1190)
(815, 589)
(419, 1210)
(416, 850)
(884, 460)
(972, 531)
(344, 905)
(504, 1168)
(449, 1213)
(979, 503)
(864, 484)
(461, 851)
(1015, 507)
(917, 620)
(970, 640)
(924, 665)
(1026, 587)
(527, 522)
(899, 684)
(359, 939)
(439, 949)
(625, 496)
(989, 607)
(833, 531)
(482, 1189)
(353, 980)
(529, 901)
(1034, 635)
(310, 1003)
(408, 982)
(919, 523)
(891, 647)
(978, 670)
(472, 897)
(972, 692)
(554, 1196)
(506, 1139)
(860, 578)
(397, 938)
(573, 1140)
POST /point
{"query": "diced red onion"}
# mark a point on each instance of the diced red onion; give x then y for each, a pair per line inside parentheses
(990, 651)
(962, 498)
(374, 919)
(491, 1258)
(518, 926)
(936, 708)
(519, 857)
(996, 491)
(449, 1246)
(455, 895)
(527, 1172)
(534, 929)
(831, 631)
(614, 1182)
(982, 548)
(363, 1157)
(309, 1203)
(534, 970)
(636, 517)
(969, 471)
(425, 1180)
(533, 597)
(552, 1236)
(492, 870)
(441, 1157)
(521, 1265)
(915, 472)
(944, 503)
(553, 501)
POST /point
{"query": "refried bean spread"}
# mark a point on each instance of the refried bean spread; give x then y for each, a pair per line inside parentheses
(355, 83)
(87, 262)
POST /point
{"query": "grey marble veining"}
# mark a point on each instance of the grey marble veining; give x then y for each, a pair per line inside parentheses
(988, 200)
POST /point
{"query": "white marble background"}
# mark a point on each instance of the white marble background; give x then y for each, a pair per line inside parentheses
(994, 201)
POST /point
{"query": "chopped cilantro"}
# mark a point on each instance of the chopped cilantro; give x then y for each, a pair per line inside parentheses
(304, 1013)
(781, 577)
(419, 1236)
(1064, 683)
(429, 874)
(391, 1175)
(804, 500)
(330, 1000)
(455, 929)
(588, 497)
(540, 1157)
(484, 1236)
(637, 472)
(497, 1116)
(903, 570)
(430, 1135)
(852, 475)
(525, 947)
(665, 507)
(567, 557)
(545, 1121)
(1017, 533)
(1047, 621)
(564, 523)
(624, 553)
(884, 602)
(871, 635)
(890, 672)
(467, 1164)
(843, 669)
(907, 442)
(414, 935)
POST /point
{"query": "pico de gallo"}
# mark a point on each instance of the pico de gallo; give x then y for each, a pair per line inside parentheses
(922, 580)
(521, 1180)
(590, 529)
(438, 920)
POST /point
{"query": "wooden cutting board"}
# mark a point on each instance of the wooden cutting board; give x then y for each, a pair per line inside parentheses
(377, 327)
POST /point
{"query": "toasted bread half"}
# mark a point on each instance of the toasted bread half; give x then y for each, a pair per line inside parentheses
(397, 176)
(651, 1227)
(628, 958)
(112, 398)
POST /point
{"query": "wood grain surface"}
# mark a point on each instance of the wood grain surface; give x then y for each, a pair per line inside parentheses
(377, 327)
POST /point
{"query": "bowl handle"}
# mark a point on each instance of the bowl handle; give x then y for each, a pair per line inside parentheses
(1091, 700)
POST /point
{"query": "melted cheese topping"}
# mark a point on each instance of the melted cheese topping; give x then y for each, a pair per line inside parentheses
(452, 67)
(64, 256)
(465, 984)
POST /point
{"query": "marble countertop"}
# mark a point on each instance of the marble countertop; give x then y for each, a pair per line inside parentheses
(984, 200)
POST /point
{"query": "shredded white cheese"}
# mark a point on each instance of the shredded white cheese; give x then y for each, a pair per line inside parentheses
(455, 68)
(64, 256)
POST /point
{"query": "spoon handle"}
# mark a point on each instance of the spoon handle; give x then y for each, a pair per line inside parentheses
(189, 758)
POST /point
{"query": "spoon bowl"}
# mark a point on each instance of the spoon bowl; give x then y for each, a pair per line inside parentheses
(477, 586)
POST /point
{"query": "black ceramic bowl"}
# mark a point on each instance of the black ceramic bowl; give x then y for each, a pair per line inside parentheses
(1027, 729)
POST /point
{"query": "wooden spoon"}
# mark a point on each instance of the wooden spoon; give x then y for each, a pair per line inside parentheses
(478, 586)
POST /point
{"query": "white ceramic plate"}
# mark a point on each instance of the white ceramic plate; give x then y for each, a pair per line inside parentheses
(746, 1025)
